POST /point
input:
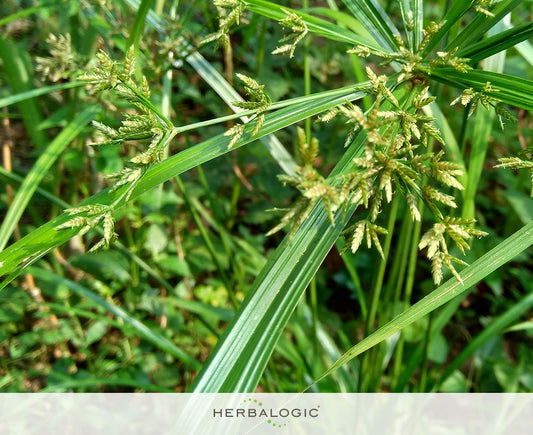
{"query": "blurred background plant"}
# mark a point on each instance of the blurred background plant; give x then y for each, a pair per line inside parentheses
(193, 255)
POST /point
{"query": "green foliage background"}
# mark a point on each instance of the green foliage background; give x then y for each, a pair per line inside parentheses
(194, 295)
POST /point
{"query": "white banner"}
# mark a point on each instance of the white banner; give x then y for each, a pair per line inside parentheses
(214, 414)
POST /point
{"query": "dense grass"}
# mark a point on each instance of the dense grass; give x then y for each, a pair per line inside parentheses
(369, 125)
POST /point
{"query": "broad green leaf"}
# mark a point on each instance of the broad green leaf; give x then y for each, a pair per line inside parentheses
(471, 275)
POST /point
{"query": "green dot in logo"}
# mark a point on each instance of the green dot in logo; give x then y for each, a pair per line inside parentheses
(260, 404)
(269, 421)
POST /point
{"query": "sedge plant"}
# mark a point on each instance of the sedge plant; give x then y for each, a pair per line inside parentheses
(399, 183)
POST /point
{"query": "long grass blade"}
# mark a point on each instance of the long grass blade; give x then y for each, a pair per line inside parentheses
(481, 24)
(17, 98)
(40, 169)
(68, 384)
(524, 48)
(417, 6)
(512, 90)
(139, 22)
(413, 21)
(480, 143)
(19, 76)
(497, 43)
(378, 23)
(453, 15)
(25, 12)
(495, 328)
(343, 19)
(238, 361)
(453, 150)
(28, 249)
(471, 275)
(314, 24)
(439, 321)
(16, 181)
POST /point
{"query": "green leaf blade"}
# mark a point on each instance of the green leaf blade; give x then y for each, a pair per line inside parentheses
(17, 256)
(481, 24)
(241, 355)
(497, 43)
(513, 90)
(471, 275)
(378, 23)
(39, 170)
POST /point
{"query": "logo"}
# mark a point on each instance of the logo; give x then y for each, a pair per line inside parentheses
(255, 409)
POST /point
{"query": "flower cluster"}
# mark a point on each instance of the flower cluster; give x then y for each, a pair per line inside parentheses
(399, 136)
(258, 101)
(311, 185)
(298, 32)
(230, 12)
(487, 99)
(148, 126)
(397, 159)
(62, 63)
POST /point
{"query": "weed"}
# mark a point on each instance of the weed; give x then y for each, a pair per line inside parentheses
(183, 257)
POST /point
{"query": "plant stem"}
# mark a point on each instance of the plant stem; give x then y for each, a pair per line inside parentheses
(307, 76)
(376, 292)
(409, 284)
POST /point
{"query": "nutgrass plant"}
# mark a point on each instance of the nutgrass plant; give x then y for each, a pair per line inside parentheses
(391, 172)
